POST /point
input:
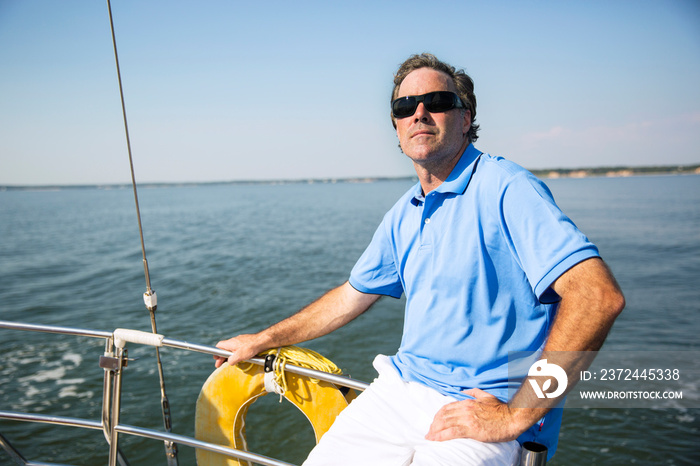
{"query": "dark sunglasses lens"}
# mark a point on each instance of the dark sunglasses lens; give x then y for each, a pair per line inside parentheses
(404, 107)
(437, 102)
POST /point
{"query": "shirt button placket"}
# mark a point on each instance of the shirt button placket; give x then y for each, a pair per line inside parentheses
(427, 212)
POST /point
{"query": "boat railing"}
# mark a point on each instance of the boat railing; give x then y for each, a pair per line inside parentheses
(114, 361)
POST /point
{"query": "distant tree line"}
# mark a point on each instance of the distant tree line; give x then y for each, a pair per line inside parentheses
(619, 171)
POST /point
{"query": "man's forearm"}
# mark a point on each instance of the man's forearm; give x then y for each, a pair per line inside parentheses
(591, 301)
(331, 311)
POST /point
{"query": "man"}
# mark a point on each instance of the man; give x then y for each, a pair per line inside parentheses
(489, 266)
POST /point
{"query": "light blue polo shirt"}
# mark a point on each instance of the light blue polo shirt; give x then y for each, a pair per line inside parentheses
(475, 258)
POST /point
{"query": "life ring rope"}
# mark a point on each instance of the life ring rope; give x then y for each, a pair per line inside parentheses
(276, 360)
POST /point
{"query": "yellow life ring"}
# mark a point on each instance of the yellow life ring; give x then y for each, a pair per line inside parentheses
(229, 391)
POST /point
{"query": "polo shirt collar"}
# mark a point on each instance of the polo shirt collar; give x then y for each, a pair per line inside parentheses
(459, 178)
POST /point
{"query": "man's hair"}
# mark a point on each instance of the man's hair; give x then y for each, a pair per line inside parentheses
(463, 83)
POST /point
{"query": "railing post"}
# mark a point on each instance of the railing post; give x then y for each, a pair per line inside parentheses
(107, 387)
(120, 363)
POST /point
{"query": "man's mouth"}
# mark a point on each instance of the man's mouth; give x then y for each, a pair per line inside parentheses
(421, 133)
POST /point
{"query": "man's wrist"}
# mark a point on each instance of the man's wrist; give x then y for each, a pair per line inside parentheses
(524, 418)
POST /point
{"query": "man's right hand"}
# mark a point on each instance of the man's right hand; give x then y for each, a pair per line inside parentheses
(243, 347)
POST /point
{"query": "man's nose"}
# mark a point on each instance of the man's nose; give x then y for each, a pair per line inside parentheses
(421, 113)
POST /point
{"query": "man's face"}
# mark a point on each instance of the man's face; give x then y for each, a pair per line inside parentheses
(431, 137)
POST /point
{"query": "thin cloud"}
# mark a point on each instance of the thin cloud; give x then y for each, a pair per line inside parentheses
(666, 140)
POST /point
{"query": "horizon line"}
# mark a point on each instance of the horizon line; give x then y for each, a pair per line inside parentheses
(611, 171)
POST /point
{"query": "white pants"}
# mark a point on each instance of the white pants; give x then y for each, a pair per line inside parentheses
(386, 425)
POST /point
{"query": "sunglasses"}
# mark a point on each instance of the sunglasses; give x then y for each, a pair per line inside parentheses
(434, 102)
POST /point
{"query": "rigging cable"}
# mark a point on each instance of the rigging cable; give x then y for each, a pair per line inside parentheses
(149, 296)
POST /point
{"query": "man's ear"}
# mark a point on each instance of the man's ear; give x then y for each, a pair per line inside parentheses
(467, 123)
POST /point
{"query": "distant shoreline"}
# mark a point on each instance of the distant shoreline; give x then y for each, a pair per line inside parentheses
(617, 171)
(551, 173)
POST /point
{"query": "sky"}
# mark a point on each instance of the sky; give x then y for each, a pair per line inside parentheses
(229, 90)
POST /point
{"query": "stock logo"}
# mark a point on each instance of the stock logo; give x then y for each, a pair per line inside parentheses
(544, 369)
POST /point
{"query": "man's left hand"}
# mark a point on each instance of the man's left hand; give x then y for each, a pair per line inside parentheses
(485, 418)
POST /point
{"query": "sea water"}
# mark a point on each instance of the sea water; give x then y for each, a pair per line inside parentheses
(234, 258)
